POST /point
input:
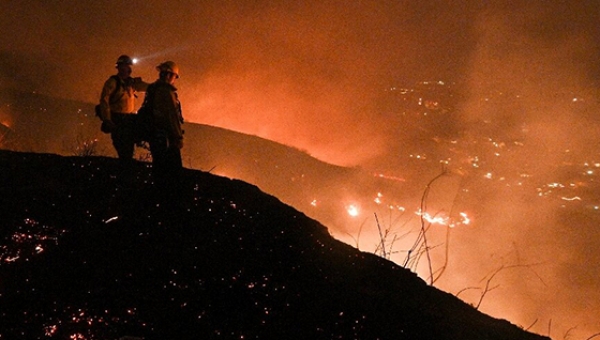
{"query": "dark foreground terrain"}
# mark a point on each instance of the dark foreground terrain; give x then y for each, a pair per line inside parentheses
(84, 257)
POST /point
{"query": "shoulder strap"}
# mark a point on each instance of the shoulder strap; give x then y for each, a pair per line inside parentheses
(118, 80)
(117, 88)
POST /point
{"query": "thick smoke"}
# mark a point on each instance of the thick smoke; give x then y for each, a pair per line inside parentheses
(531, 76)
(310, 75)
(315, 75)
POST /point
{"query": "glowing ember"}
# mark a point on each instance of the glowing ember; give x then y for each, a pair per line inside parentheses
(393, 178)
(352, 210)
(114, 218)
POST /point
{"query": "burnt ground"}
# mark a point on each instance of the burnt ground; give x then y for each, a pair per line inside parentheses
(84, 257)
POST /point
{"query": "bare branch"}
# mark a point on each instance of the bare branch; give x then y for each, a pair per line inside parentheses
(593, 336)
(567, 333)
(528, 328)
(381, 237)
(465, 289)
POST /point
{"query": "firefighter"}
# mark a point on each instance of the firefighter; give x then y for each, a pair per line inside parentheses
(166, 136)
(117, 111)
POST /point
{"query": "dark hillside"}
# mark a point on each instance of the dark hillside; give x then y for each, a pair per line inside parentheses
(42, 124)
(83, 258)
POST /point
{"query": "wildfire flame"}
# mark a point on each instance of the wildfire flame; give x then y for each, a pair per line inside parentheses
(463, 219)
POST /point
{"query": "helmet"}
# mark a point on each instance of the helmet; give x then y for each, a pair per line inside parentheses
(168, 66)
(124, 59)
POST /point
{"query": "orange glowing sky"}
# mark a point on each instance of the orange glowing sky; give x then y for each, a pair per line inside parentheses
(304, 73)
(312, 75)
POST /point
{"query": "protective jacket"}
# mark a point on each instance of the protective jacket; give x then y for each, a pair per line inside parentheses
(166, 110)
(118, 95)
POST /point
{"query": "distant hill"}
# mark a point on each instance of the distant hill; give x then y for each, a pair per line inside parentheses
(82, 257)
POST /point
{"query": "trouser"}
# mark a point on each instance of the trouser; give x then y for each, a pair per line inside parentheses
(167, 166)
(123, 139)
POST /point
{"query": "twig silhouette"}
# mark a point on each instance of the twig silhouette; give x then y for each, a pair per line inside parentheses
(357, 238)
(423, 234)
(567, 333)
(487, 287)
(534, 322)
(381, 237)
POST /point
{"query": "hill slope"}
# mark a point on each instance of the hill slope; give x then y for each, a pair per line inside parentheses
(38, 123)
(81, 256)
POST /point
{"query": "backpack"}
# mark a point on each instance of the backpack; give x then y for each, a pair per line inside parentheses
(145, 116)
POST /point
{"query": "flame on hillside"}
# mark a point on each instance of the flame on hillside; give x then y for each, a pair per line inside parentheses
(445, 220)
